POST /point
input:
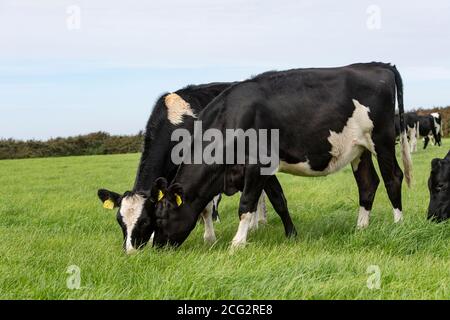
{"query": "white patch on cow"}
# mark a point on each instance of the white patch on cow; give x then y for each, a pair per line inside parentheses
(435, 115)
(240, 239)
(130, 211)
(177, 107)
(363, 218)
(254, 221)
(346, 146)
(150, 242)
(398, 215)
(209, 236)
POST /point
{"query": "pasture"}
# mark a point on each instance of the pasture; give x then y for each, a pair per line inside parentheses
(50, 219)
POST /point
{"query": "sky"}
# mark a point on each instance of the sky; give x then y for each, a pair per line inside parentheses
(74, 67)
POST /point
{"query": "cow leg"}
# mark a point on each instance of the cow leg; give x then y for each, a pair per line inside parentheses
(433, 141)
(260, 214)
(367, 180)
(262, 217)
(392, 175)
(276, 196)
(253, 186)
(215, 213)
(209, 236)
(412, 138)
(426, 140)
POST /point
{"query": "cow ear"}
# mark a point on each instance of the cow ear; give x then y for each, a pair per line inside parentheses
(110, 199)
(159, 189)
(176, 190)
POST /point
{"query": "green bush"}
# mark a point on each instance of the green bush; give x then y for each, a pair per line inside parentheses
(90, 144)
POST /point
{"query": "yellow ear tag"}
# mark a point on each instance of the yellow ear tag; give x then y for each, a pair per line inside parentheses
(108, 204)
(178, 199)
(160, 195)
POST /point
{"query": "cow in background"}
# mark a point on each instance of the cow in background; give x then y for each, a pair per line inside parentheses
(417, 127)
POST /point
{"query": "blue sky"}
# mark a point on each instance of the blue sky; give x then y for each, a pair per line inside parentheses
(106, 72)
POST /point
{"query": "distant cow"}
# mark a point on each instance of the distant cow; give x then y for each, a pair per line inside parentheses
(327, 119)
(171, 111)
(417, 126)
(439, 186)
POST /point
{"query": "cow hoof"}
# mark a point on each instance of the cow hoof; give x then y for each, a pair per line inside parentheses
(398, 216)
(292, 234)
(237, 244)
(363, 219)
(362, 226)
(210, 239)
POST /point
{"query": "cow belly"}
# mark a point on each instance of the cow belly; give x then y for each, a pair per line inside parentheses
(346, 146)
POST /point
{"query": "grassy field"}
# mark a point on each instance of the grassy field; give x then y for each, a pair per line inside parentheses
(50, 219)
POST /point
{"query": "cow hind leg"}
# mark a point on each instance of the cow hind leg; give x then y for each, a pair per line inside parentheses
(426, 140)
(276, 196)
(392, 176)
(209, 236)
(260, 215)
(367, 180)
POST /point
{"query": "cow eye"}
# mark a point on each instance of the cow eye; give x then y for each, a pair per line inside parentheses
(440, 187)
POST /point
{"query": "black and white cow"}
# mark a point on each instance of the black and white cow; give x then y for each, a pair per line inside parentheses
(439, 187)
(418, 126)
(327, 118)
(171, 111)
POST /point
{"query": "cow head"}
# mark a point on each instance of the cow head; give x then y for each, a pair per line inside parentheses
(439, 186)
(134, 215)
(174, 218)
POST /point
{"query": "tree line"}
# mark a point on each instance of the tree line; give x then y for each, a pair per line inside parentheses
(90, 144)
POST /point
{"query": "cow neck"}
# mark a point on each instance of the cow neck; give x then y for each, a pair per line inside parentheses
(152, 166)
(201, 183)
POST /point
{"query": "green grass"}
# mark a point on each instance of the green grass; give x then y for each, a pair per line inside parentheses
(50, 218)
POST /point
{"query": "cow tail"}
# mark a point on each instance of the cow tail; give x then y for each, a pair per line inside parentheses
(404, 145)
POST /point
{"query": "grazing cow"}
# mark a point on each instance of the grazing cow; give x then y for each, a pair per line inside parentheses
(421, 126)
(439, 186)
(172, 111)
(327, 118)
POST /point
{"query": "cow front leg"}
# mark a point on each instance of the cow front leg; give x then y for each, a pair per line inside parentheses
(253, 186)
(392, 176)
(367, 180)
(209, 236)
